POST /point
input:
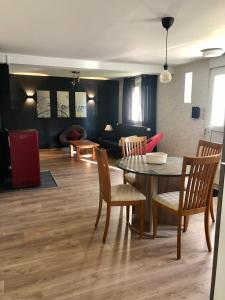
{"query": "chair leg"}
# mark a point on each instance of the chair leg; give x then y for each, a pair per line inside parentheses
(99, 211)
(186, 222)
(207, 232)
(212, 211)
(108, 212)
(141, 219)
(124, 179)
(155, 219)
(179, 238)
(128, 213)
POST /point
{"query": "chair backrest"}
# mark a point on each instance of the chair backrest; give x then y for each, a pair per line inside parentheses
(197, 196)
(153, 142)
(133, 145)
(104, 175)
(206, 148)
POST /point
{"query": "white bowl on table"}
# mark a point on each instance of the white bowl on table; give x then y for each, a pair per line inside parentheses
(157, 158)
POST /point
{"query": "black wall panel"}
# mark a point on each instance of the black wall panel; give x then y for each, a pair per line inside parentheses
(21, 115)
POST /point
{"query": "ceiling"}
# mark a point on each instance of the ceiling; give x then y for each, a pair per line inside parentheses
(127, 31)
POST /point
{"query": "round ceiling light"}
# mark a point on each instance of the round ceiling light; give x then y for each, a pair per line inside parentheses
(212, 52)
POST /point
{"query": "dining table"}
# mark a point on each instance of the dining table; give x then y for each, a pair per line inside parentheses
(151, 179)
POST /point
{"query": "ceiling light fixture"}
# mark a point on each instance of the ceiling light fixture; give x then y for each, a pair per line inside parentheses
(76, 78)
(212, 52)
(165, 75)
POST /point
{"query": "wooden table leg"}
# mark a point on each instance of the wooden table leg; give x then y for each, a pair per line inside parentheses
(71, 151)
(78, 153)
(93, 153)
(149, 186)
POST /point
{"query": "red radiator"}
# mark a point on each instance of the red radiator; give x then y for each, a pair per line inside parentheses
(25, 163)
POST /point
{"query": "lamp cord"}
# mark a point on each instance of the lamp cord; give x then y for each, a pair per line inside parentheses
(166, 45)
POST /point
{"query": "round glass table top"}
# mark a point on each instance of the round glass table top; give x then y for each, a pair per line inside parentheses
(137, 164)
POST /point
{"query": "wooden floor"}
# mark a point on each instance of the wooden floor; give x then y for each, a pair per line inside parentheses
(49, 249)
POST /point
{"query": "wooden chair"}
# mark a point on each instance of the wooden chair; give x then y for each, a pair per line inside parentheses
(118, 195)
(206, 148)
(131, 146)
(196, 198)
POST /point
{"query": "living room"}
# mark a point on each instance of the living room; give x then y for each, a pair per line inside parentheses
(71, 90)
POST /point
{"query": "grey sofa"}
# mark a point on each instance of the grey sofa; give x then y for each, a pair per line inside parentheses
(63, 137)
(110, 139)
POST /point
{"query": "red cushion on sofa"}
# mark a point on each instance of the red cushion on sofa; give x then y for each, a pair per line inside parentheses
(74, 135)
(152, 143)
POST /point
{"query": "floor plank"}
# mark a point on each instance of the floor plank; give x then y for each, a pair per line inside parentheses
(49, 249)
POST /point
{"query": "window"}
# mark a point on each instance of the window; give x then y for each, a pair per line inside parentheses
(136, 114)
(188, 87)
(217, 98)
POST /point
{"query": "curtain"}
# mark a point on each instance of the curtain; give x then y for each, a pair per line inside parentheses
(148, 101)
(128, 86)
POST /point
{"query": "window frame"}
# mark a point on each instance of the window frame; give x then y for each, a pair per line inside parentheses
(186, 87)
(213, 73)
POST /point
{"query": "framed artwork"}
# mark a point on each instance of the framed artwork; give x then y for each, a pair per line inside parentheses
(80, 104)
(43, 104)
(63, 109)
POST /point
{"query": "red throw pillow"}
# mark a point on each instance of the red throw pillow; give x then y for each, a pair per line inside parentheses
(74, 135)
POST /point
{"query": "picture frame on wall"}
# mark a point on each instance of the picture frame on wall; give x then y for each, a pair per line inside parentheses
(81, 104)
(43, 104)
(63, 107)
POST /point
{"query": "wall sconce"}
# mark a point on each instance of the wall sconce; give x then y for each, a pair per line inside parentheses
(30, 97)
(91, 100)
(30, 100)
(30, 93)
(108, 127)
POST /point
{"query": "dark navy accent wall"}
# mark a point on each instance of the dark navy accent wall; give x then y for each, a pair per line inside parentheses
(18, 114)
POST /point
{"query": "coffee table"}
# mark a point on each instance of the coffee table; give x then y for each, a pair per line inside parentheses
(82, 144)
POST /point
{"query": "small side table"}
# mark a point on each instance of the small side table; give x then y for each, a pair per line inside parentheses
(82, 144)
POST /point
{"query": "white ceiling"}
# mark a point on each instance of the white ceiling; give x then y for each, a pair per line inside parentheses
(126, 31)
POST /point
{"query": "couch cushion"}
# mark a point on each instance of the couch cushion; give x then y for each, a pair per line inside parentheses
(74, 135)
(153, 141)
(127, 130)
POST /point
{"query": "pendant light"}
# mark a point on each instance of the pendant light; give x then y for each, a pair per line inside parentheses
(76, 78)
(165, 75)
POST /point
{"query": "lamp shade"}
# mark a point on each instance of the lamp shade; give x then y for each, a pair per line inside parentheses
(165, 76)
(108, 127)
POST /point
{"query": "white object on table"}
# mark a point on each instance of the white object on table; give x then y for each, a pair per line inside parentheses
(156, 158)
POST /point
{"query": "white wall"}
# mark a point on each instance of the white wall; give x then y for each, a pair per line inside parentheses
(174, 116)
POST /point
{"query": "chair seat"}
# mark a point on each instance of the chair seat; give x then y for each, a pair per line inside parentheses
(130, 177)
(125, 192)
(170, 199)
